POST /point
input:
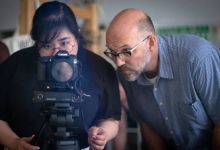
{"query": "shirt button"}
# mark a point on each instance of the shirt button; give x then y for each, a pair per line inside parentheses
(166, 118)
(171, 131)
(160, 103)
(155, 89)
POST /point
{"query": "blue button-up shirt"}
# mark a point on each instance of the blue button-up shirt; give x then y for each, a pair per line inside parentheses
(184, 103)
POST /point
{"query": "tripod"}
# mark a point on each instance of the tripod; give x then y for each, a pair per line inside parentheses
(59, 91)
(63, 118)
(53, 144)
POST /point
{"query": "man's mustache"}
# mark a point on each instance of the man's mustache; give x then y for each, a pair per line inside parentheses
(125, 67)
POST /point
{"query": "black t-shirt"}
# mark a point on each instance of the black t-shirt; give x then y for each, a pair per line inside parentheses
(18, 81)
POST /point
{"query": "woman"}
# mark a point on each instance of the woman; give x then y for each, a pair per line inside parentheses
(55, 29)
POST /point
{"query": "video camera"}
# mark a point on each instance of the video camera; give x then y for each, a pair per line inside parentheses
(59, 91)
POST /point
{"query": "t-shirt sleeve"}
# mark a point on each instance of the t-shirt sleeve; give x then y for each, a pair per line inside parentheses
(111, 85)
(5, 79)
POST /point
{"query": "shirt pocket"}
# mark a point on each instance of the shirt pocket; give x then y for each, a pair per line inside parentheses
(195, 115)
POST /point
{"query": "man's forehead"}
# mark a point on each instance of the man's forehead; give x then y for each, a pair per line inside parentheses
(116, 44)
(123, 35)
(120, 43)
(122, 27)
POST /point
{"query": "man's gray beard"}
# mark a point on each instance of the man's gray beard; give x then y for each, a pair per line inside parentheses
(132, 77)
(141, 68)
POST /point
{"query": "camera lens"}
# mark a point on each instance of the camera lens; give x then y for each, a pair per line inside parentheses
(62, 71)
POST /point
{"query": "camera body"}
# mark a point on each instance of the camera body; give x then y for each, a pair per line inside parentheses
(58, 73)
(58, 79)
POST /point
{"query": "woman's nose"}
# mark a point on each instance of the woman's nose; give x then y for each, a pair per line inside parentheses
(56, 48)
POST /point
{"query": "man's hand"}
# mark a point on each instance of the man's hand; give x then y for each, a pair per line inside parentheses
(97, 138)
(24, 144)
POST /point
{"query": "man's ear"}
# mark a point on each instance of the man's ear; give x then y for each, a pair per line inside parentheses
(153, 42)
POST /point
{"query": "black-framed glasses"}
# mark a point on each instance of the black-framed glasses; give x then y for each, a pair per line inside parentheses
(125, 53)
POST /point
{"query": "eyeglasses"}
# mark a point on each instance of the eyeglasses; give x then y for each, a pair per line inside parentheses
(63, 45)
(125, 53)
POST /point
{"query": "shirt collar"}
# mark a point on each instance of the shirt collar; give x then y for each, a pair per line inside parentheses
(165, 69)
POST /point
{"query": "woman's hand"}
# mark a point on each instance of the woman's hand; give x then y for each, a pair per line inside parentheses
(24, 143)
(97, 138)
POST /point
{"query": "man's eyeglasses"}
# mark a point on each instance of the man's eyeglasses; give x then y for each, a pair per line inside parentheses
(125, 53)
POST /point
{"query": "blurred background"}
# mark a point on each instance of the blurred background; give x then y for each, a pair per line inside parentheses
(201, 17)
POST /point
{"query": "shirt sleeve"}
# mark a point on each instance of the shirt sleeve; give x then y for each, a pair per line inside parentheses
(5, 79)
(112, 94)
(207, 84)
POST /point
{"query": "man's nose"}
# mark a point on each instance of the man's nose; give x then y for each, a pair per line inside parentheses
(119, 61)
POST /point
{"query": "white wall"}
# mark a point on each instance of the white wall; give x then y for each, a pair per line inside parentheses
(9, 14)
(169, 12)
(162, 12)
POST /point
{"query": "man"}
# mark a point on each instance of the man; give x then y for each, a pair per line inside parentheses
(91, 120)
(172, 82)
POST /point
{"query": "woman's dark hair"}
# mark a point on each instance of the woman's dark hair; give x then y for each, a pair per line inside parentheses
(49, 18)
